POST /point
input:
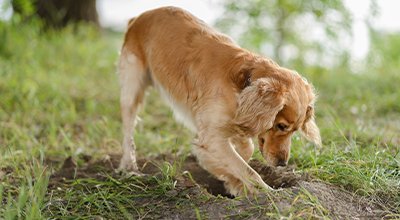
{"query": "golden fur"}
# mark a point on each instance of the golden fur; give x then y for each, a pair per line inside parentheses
(223, 93)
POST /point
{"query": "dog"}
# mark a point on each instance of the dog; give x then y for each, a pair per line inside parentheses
(225, 94)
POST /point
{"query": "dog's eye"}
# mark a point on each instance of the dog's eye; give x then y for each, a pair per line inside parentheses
(281, 127)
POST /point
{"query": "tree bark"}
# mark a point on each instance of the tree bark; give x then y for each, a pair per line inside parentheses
(59, 13)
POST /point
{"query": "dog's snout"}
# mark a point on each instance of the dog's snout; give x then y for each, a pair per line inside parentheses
(281, 163)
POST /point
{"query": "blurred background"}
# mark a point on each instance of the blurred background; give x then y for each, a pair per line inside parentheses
(328, 33)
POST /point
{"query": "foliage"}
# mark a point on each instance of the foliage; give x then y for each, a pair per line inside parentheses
(24, 8)
(384, 54)
(290, 31)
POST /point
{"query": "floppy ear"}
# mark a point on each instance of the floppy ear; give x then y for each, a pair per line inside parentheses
(258, 105)
(310, 129)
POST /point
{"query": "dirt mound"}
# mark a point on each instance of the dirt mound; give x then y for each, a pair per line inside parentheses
(294, 200)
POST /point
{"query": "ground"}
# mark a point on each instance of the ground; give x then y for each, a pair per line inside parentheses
(60, 135)
(297, 195)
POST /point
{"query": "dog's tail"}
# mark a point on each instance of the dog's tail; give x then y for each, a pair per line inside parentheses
(129, 26)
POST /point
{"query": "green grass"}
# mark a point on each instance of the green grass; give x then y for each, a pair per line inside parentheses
(112, 198)
(59, 98)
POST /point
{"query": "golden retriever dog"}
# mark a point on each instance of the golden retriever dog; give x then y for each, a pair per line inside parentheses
(225, 94)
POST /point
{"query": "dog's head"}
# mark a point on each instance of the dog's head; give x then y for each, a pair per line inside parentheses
(274, 107)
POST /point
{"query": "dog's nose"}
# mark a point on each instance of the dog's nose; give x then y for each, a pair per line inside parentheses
(281, 163)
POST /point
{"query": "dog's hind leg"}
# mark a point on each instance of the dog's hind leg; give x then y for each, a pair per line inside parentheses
(132, 76)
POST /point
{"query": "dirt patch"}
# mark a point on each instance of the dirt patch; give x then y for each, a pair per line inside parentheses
(301, 195)
(281, 177)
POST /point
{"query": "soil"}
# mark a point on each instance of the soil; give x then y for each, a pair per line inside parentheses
(333, 201)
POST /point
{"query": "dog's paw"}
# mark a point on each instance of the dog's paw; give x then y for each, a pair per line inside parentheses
(131, 173)
(234, 188)
(128, 168)
(237, 188)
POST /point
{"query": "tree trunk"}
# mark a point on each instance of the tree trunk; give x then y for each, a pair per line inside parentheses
(59, 13)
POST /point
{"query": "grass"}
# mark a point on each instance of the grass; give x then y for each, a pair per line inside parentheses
(59, 98)
(112, 198)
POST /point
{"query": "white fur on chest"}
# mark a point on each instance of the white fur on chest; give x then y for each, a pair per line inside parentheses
(181, 113)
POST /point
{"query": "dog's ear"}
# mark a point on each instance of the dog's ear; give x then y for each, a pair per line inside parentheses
(258, 105)
(310, 129)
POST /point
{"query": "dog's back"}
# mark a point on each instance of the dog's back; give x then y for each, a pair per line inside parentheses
(174, 36)
(179, 51)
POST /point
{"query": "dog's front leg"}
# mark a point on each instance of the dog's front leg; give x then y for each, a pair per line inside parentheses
(244, 146)
(218, 156)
